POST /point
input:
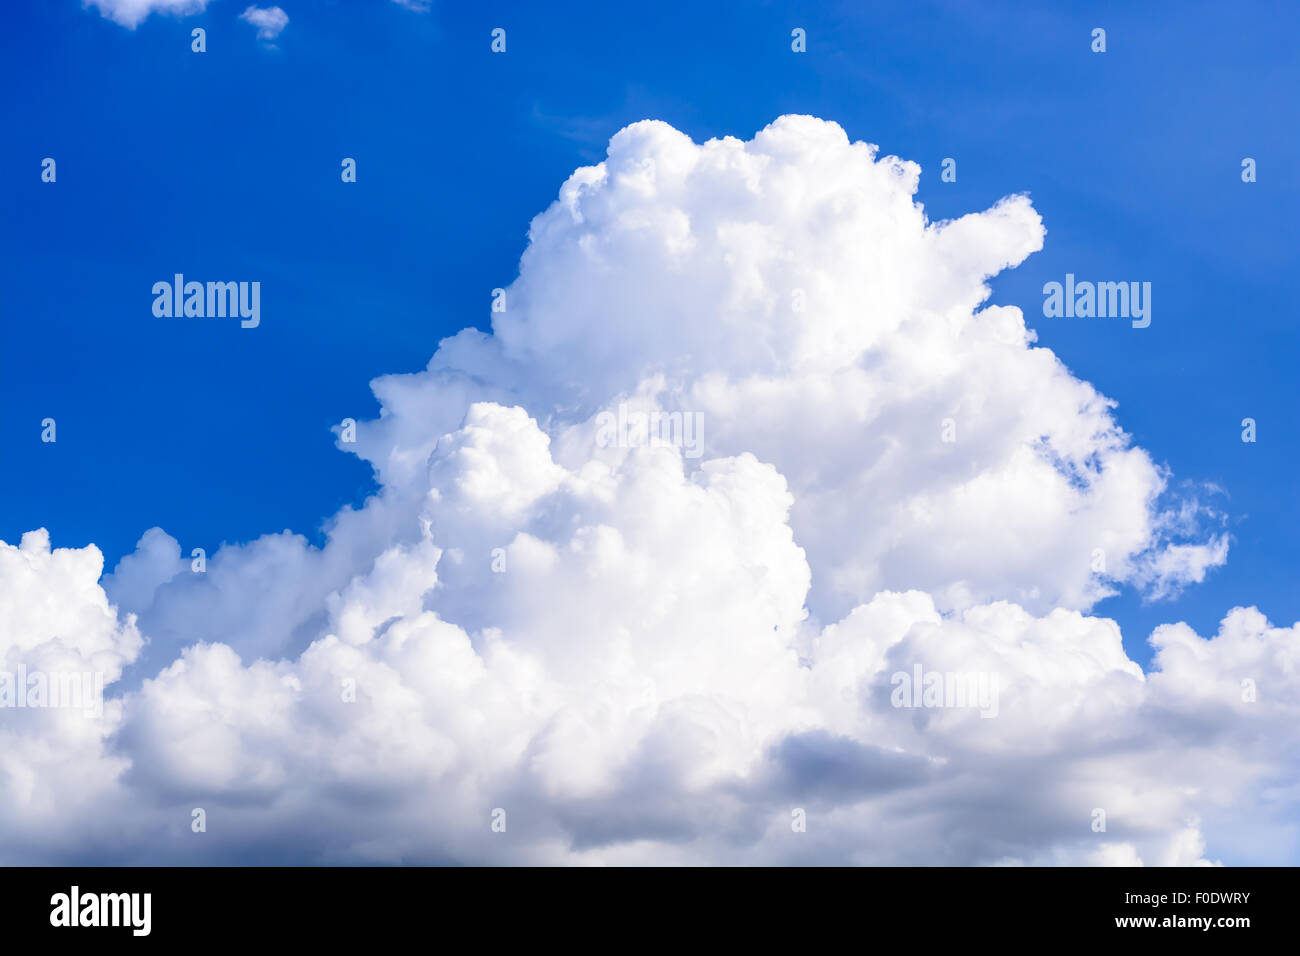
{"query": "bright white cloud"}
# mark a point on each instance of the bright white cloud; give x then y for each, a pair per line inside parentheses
(648, 656)
(268, 20)
(131, 13)
(56, 764)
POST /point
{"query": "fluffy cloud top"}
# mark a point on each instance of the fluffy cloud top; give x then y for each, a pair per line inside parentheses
(641, 653)
(268, 20)
(131, 13)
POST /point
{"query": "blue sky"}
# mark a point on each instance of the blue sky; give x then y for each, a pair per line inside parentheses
(226, 165)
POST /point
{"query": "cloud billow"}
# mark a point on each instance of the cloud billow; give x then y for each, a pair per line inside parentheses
(643, 654)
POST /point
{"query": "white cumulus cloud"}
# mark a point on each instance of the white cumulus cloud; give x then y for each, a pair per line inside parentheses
(643, 654)
(270, 21)
(131, 13)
